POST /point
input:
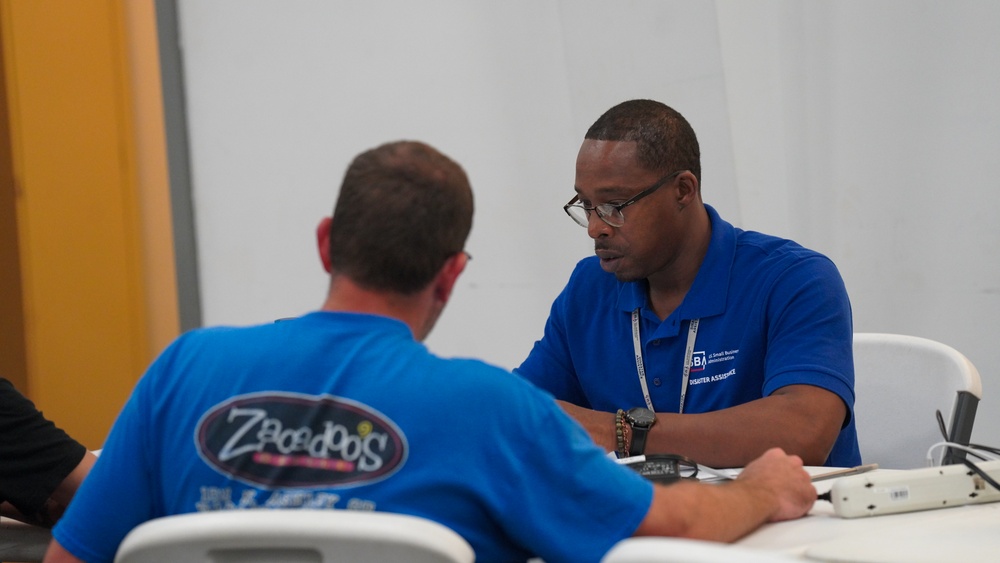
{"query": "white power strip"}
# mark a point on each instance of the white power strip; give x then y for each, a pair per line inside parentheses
(890, 492)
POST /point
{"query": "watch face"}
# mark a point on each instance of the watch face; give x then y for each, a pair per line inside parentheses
(641, 416)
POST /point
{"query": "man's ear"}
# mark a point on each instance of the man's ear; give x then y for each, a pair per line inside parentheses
(448, 275)
(687, 188)
(323, 241)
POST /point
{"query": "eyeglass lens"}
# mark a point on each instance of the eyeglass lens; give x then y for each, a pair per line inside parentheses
(607, 212)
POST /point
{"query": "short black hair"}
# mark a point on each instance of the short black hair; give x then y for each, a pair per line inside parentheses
(665, 140)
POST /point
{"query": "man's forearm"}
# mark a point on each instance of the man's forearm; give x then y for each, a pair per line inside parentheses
(771, 488)
(599, 424)
(58, 554)
(720, 512)
(67, 488)
(802, 420)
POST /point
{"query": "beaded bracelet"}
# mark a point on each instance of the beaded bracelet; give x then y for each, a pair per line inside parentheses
(620, 433)
(627, 437)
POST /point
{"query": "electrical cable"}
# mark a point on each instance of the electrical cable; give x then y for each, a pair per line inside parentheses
(995, 451)
(981, 454)
(986, 477)
(944, 435)
(974, 449)
(941, 425)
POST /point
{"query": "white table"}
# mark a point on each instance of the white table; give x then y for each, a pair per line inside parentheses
(964, 533)
(969, 534)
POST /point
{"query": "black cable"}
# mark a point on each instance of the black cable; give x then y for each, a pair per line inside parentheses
(986, 477)
(944, 434)
(940, 421)
(976, 454)
(995, 451)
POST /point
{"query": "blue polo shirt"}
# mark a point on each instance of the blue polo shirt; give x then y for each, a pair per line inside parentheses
(772, 314)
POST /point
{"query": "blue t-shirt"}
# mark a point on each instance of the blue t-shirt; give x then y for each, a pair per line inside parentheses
(339, 410)
(772, 313)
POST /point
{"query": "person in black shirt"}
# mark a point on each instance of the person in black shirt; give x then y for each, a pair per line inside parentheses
(40, 465)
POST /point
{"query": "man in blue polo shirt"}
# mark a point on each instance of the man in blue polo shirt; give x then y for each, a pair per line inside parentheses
(685, 334)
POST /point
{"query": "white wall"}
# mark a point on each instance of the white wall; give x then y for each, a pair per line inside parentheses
(868, 131)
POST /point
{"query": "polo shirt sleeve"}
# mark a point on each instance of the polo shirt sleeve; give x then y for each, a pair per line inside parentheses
(810, 337)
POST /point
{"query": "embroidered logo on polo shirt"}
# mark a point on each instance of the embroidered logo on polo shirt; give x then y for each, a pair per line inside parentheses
(276, 439)
(711, 361)
(698, 361)
(723, 356)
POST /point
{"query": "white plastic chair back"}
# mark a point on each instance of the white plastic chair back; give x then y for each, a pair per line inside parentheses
(293, 536)
(899, 383)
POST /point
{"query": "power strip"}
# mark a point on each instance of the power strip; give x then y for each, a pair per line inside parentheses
(891, 492)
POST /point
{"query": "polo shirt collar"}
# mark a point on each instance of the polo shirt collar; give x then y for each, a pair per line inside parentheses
(709, 292)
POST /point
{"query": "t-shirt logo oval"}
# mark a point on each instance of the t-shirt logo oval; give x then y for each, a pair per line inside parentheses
(276, 439)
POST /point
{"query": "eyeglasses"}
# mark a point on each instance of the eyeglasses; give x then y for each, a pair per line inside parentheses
(611, 213)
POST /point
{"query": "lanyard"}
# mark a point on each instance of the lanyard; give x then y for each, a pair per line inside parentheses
(688, 356)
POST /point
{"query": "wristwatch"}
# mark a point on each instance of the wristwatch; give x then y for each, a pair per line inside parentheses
(641, 420)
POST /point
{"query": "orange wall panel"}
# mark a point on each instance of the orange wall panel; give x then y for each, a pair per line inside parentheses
(79, 208)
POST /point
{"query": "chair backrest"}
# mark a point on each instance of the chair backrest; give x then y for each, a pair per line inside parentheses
(899, 383)
(293, 536)
(677, 550)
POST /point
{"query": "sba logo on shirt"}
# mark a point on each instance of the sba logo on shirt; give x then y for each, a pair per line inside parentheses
(698, 361)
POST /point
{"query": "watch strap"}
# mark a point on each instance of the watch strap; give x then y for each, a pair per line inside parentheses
(638, 445)
(638, 429)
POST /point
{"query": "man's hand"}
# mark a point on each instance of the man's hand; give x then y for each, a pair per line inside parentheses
(782, 477)
(771, 488)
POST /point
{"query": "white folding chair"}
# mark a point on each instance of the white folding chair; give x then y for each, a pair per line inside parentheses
(293, 536)
(677, 550)
(900, 381)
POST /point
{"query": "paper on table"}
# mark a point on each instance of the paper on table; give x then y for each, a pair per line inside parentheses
(706, 473)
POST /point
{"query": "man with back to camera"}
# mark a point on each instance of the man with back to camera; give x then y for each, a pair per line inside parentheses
(456, 441)
(684, 334)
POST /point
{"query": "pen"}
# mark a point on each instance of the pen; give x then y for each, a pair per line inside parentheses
(848, 471)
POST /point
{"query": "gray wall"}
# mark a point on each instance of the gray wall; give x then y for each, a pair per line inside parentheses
(866, 130)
